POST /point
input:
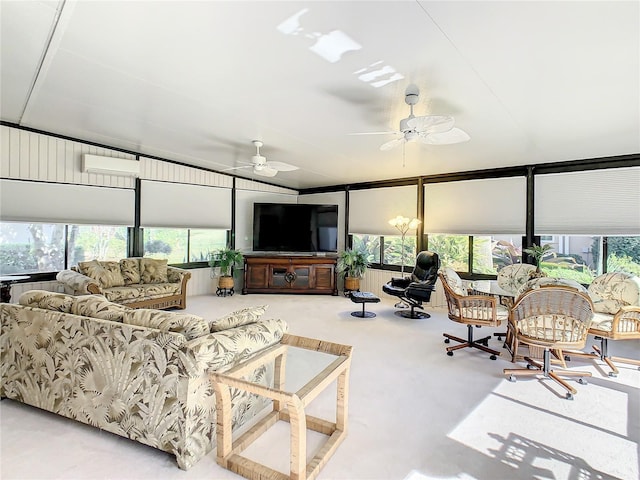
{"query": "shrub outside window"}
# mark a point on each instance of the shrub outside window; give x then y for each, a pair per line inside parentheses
(576, 257)
(202, 242)
(453, 250)
(369, 244)
(492, 253)
(393, 250)
(182, 245)
(31, 247)
(623, 255)
(96, 242)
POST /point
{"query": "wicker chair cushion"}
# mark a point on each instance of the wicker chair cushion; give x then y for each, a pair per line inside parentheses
(612, 291)
(454, 280)
(512, 277)
(550, 281)
(502, 313)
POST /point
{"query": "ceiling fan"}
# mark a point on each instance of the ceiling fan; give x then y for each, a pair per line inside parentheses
(429, 129)
(264, 168)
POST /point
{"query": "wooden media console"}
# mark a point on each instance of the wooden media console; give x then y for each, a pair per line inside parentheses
(290, 274)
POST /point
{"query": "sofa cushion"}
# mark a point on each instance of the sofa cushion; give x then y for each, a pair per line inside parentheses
(47, 300)
(244, 316)
(153, 270)
(130, 269)
(191, 326)
(107, 274)
(134, 293)
(97, 306)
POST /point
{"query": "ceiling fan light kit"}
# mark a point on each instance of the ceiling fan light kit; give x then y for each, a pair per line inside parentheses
(263, 167)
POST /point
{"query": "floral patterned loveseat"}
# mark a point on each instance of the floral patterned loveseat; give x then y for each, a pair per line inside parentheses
(141, 374)
(135, 282)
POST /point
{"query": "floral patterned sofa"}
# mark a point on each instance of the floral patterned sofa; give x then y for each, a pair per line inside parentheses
(134, 282)
(141, 374)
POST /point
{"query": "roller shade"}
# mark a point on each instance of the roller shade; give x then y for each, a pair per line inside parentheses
(371, 210)
(595, 202)
(24, 201)
(476, 207)
(180, 205)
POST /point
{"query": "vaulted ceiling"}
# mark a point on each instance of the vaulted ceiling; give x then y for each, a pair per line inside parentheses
(196, 82)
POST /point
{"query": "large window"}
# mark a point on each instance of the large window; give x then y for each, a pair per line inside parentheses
(370, 245)
(99, 242)
(453, 250)
(623, 254)
(386, 250)
(40, 247)
(492, 253)
(576, 257)
(181, 245)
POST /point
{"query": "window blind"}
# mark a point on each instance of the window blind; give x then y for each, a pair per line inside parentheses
(594, 202)
(25, 201)
(476, 207)
(370, 210)
(181, 205)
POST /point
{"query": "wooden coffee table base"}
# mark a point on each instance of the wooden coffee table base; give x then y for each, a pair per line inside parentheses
(289, 407)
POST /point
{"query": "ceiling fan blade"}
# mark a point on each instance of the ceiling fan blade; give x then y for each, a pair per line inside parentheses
(281, 166)
(432, 123)
(455, 135)
(392, 144)
(375, 133)
(235, 168)
(265, 171)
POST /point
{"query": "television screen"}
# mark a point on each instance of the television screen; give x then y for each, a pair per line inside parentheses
(289, 227)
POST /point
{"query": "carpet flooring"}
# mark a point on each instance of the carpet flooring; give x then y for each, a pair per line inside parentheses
(414, 412)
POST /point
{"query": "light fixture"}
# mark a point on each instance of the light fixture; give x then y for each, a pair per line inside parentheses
(403, 224)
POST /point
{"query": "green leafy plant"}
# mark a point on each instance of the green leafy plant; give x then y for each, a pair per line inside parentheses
(352, 263)
(538, 252)
(226, 259)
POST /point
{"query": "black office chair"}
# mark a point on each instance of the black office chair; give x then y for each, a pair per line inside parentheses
(416, 289)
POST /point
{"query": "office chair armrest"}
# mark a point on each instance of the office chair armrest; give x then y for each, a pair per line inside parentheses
(400, 282)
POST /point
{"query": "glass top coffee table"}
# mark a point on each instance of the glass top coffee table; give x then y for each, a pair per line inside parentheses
(287, 406)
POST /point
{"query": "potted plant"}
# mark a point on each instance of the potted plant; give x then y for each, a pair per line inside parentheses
(352, 264)
(538, 252)
(225, 259)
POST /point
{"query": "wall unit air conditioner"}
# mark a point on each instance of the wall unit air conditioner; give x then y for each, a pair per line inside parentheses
(110, 165)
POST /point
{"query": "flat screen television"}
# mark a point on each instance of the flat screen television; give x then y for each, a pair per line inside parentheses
(290, 227)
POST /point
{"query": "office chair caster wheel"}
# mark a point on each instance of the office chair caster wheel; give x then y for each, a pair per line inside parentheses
(614, 374)
(569, 396)
(450, 354)
(582, 381)
(530, 367)
(492, 357)
(485, 343)
(512, 378)
(567, 358)
(446, 340)
(499, 338)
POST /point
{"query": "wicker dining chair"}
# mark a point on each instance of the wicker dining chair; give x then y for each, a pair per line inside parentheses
(471, 310)
(548, 318)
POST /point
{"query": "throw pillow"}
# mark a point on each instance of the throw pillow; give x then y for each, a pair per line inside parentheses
(130, 269)
(153, 271)
(47, 300)
(114, 276)
(191, 326)
(97, 306)
(238, 318)
(96, 271)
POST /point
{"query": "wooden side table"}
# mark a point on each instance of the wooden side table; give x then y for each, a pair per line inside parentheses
(287, 406)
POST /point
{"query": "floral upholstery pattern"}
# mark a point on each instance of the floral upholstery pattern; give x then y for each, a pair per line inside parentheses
(238, 318)
(141, 383)
(512, 277)
(454, 280)
(130, 268)
(98, 306)
(191, 326)
(612, 291)
(133, 293)
(153, 271)
(550, 281)
(47, 300)
(106, 273)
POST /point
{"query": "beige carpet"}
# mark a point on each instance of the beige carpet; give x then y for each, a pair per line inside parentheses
(414, 413)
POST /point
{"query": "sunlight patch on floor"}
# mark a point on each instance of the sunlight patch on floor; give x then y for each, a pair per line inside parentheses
(528, 426)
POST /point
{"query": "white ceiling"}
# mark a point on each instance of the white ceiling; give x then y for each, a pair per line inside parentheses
(195, 82)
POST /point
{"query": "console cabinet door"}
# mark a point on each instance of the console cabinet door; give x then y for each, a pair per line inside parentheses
(257, 275)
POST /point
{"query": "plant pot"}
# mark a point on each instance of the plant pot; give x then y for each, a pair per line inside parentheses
(351, 283)
(225, 282)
